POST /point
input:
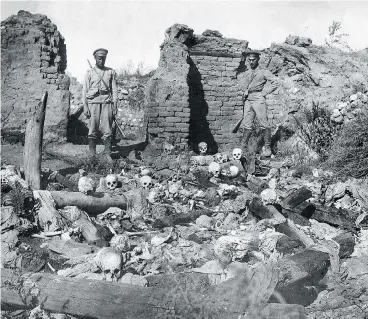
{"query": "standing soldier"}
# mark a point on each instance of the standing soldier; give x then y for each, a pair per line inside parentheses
(100, 102)
(254, 95)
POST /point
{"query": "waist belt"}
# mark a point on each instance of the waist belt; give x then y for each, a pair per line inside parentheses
(104, 92)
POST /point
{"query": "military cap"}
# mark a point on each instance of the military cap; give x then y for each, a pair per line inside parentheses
(100, 52)
(254, 52)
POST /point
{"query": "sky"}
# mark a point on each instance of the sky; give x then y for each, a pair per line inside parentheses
(132, 31)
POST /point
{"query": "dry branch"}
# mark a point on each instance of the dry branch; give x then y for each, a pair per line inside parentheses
(32, 155)
(90, 204)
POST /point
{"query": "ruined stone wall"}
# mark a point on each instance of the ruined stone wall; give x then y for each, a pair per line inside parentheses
(33, 60)
(167, 94)
(215, 100)
(211, 103)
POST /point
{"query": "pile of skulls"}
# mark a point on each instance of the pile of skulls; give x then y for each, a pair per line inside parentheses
(220, 163)
(345, 111)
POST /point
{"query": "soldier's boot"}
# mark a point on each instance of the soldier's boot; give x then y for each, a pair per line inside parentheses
(92, 147)
(267, 143)
(107, 150)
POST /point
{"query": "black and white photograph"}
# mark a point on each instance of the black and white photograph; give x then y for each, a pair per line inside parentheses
(184, 159)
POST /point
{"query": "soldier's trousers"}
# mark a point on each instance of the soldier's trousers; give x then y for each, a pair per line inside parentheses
(101, 119)
(255, 106)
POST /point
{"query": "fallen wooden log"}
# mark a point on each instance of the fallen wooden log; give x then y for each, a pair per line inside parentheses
(277, 311)
(268, 212)
(289, 276)
(296, 197)
(90, 204)
(101, 299)
(338, 217)
(32, 153)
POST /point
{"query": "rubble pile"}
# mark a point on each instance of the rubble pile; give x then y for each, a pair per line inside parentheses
(217, 216)
(346, 111)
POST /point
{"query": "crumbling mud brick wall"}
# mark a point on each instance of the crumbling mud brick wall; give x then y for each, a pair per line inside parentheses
(33, 60)
(167, 93)
(196, 95)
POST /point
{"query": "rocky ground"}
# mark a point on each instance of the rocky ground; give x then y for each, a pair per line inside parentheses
(187, 215)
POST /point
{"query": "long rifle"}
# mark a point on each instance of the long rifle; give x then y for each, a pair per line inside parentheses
(237, 125)
(113, 116)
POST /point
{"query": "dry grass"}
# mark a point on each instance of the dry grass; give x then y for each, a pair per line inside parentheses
(349, 152)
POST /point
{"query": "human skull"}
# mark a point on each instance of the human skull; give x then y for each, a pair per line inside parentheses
(145, 171)
(168, 148)
(202, 147)
(146, 182)
(237, 153)
(111, 181)
(86, 185)
(215, 169)
(234, 171)
(110, 262)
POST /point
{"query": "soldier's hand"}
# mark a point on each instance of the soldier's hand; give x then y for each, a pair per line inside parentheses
(86, 112)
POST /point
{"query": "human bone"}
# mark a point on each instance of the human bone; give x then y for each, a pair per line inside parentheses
(215, 169)
(86, 185)
(111, 181)
(202, 147)
(269, 196)
(201, 160)
(109, 260)
(146, 182)
(168, 148)
(145, 171)
(234, 171)
(218, 158)
(237, 153)
(120, 242)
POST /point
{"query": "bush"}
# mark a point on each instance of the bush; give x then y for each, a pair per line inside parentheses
(349, 152)
(317, 130)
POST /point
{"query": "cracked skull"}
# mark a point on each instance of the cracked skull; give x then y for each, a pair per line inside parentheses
(111, 181)
(110, 262)
(215, 169)
(237, 153)
(146, 182)
(202, 148)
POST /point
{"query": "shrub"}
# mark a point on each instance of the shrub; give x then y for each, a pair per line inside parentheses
(316, 129)
(349, 152)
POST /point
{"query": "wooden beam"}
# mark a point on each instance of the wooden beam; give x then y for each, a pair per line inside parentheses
(32, 153)
(110, 300)
(93, 205)
(216, 54)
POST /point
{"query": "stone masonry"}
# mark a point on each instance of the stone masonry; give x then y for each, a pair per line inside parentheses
(194, 93)
(33, 60)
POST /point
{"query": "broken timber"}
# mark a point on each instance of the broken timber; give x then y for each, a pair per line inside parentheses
(32, 154)
(90, 204)
(116, 300)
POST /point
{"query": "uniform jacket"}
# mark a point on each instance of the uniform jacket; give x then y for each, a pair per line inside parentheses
(95, 91)
(254, 81)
